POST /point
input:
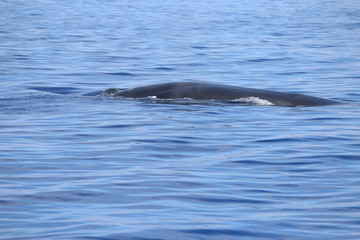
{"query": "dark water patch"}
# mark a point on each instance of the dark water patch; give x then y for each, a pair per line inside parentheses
(263, 60)
(292, 73)
(307, 170)
(163, 141)
(164, 184)
(50, 198)
(127, 237)
(164, 69)
(166, 155)
(305, 139)
(124, 74)
(131, 57)
(185, 148)
(123, 237)
(117, 126)
(356, 145)
(77, 74)
(272, 163)
(7, 203)
(334, 157)
(147, 140)
(65, 196)
(234, 233)
(351, 98)
(326, 119)
(199, 47)
(138, 125)
(287, 140)
(355, 222)
(195, 64)
(342, 209)
(21, 57)
(281, 140)
(191, 234)
(216, 200)
(278, 34)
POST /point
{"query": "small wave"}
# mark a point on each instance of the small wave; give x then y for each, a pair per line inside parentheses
(122, 74)
(164, 69)
(253, 100)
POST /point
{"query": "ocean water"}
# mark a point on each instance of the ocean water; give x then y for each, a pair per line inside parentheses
(83, 167)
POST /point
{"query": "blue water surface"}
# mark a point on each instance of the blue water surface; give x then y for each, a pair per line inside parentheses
(82, 167)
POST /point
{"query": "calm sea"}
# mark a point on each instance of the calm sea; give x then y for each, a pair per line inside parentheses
(95, 168)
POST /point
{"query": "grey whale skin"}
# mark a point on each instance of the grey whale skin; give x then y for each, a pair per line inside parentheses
(212, 91)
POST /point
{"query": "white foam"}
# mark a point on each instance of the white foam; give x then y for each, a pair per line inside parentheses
(151, 97)
(254, 100)
(110, 94)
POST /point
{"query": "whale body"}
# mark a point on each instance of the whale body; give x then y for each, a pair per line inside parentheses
(212, 91)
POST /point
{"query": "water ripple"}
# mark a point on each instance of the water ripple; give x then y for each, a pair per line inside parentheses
(76, 166)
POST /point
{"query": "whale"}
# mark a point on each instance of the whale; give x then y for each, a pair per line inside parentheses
(214, 91)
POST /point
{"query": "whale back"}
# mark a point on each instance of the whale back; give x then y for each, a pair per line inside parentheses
(211, 91)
